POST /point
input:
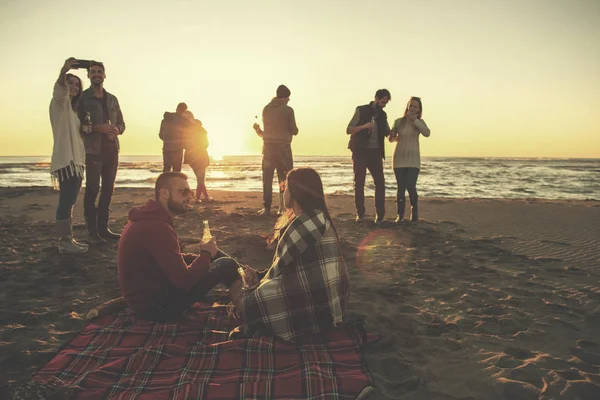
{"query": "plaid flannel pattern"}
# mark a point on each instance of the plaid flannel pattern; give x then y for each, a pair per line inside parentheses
(124, 357)
(306, 289)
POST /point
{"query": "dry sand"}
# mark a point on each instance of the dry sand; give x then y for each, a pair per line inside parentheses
(483, 299)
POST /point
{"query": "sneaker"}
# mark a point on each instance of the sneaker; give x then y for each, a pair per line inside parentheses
(95, 239)
(264, 211)
(67, 245)
(359, 218)
(378, 220)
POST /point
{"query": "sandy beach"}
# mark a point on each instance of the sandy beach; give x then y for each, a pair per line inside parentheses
(483, 299)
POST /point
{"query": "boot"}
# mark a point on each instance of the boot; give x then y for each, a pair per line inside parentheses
(401, 206)
(265, 211)
(103, 230)
(414, 209)
(66, 244)
(71, 232)
(92, 225)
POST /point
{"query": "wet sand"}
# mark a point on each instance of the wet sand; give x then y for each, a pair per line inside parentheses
(483, 299)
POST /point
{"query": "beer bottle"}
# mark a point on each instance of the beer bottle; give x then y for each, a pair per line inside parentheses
(88, 122)
(206, 235)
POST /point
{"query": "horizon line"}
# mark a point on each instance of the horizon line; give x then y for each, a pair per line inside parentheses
(343, 155)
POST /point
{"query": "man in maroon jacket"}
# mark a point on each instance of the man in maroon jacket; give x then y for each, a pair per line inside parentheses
(158, 282)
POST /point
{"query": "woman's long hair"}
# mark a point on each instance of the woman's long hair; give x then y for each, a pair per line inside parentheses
(75, 100)
(418, 100)
(306, 189)
(403, 119)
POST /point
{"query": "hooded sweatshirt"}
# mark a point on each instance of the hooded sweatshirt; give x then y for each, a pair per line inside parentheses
(150, 260)
(279, 122)
(171, 133)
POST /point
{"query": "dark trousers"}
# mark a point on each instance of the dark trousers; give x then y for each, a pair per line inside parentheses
(275, 157)
(172, 160)
(406, 178)
(103, 166)
(174, 302)
(369, 159)
(67, 196)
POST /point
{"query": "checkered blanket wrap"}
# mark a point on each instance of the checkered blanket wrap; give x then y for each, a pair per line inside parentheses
(306, 289)
(123, 357)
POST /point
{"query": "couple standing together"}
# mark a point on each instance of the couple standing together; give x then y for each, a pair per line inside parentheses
(180, 132)
(86, 125)
(368, 129)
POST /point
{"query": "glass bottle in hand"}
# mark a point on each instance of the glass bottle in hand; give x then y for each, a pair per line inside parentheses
(206, 235)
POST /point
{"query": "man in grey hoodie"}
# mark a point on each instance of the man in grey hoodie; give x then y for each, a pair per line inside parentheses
(280, 127)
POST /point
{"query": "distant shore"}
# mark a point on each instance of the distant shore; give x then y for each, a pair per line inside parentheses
(484, 298)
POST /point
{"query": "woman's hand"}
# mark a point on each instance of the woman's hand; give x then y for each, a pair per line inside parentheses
(69, 63)
(251, 276)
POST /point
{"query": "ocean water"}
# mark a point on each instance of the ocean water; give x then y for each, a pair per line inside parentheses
(577, 179)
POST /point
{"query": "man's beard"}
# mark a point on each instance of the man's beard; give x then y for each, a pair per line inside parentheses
(176, 208)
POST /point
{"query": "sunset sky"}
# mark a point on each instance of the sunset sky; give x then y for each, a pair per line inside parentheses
(497, 78)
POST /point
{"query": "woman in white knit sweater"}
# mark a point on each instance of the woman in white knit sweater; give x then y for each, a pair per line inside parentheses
(407, 156)
(68, 153)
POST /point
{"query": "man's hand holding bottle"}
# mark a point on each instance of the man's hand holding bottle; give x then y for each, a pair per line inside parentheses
(210, 246)
(107, 129)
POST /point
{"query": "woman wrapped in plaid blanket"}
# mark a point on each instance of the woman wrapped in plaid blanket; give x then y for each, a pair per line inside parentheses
(306, 289)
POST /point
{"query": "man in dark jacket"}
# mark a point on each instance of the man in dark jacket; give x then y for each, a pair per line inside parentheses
(101, 152)
(280, 127)
(368, 129)
(157, 281)
(171, 134)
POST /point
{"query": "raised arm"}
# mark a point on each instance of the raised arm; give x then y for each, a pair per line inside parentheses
(62, 76)
(422, 127)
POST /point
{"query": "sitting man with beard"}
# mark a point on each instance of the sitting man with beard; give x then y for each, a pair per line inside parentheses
(157, 281)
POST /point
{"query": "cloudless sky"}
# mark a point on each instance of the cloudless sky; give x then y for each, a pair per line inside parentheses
(497, 78)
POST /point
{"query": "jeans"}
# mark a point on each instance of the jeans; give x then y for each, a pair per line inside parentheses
(103, 166)
(406, 178)
(68, 191)
(275, 156)
(172, 159)
(369, 159)
(174, 302)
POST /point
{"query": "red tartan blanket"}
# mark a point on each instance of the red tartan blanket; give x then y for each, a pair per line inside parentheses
(123, 357)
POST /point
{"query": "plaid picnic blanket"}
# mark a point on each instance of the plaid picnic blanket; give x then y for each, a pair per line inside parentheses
(123, 357)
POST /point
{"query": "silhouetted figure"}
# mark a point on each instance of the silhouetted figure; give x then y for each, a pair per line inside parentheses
(171, 133)
(102, 152)
(195, 140)
(279, 128)
(68, 154)
(367, 130)
(407, 156)
(157, 281)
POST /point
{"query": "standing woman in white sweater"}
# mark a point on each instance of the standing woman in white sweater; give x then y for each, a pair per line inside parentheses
(68, 153)
(407, 156)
